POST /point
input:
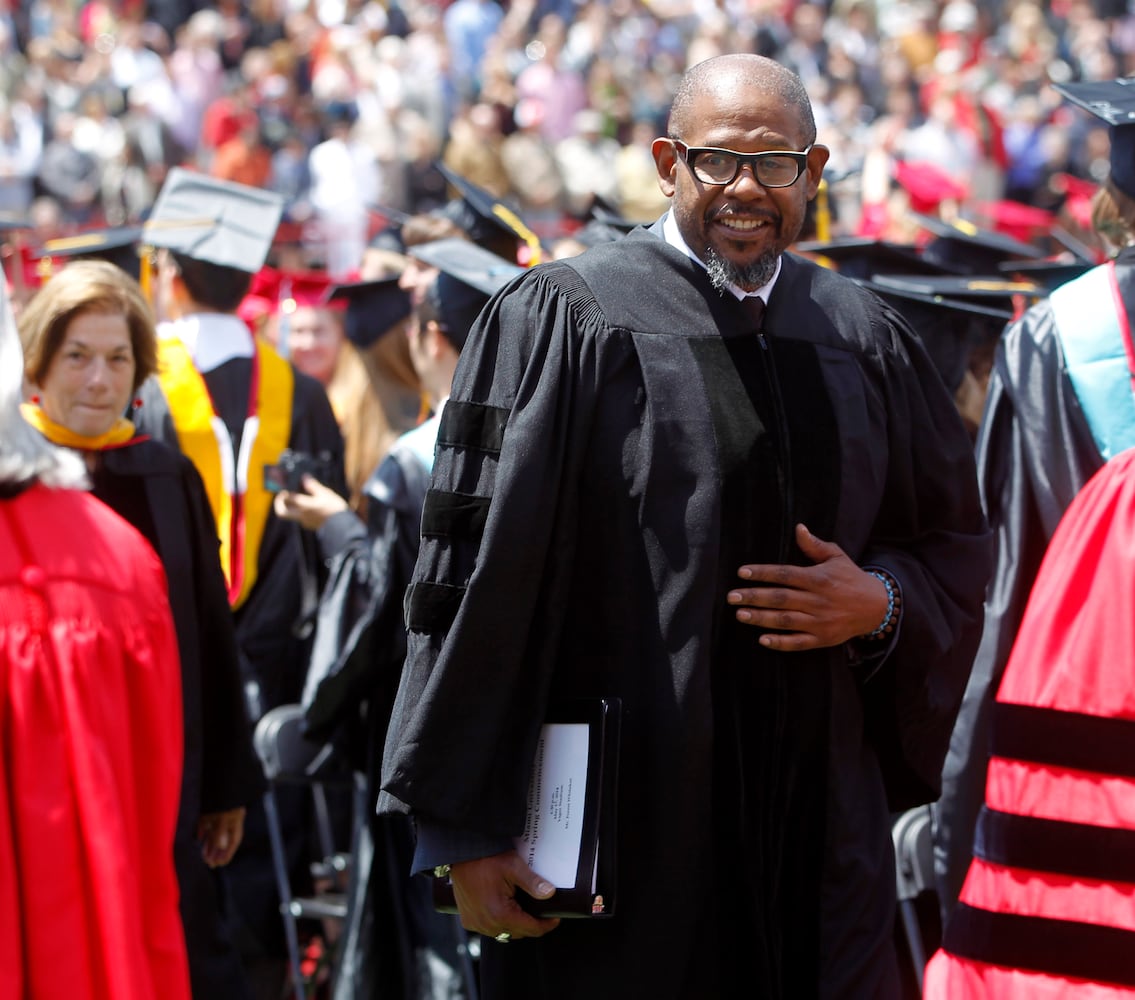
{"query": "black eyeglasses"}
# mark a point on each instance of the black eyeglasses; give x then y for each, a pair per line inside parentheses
(773, 169)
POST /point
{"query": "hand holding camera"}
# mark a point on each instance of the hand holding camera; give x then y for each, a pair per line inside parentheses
(300, 495)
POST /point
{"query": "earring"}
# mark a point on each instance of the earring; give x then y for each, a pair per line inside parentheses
(138, 403)
(35, 398)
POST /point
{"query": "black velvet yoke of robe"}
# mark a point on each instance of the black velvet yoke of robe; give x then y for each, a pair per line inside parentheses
(635, 444)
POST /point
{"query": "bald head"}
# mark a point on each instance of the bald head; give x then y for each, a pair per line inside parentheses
(727, 78)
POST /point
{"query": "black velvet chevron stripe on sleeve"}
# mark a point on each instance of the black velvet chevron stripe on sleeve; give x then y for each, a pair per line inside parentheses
(455, 515)
(476, 426)
(1079, 850)
(1064, 739)
(431, 607)
(1065, 948)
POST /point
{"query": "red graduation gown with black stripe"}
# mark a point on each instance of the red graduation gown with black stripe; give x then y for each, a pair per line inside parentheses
(1048, 906)
(90, 757)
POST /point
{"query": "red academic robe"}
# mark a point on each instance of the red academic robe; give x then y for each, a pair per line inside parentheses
(90, 757)
(1047, 911)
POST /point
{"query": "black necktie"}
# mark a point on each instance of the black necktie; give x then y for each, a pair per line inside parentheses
(754, 307)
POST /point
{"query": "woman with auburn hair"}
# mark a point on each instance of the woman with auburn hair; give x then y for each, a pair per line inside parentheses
(90, 732)
(89, 343)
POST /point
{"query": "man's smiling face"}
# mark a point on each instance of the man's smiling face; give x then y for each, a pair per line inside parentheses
(738, 229)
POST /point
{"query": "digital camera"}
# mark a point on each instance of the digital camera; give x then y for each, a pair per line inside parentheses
(288, 472)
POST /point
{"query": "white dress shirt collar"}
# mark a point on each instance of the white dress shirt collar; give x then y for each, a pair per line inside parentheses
(211, 338)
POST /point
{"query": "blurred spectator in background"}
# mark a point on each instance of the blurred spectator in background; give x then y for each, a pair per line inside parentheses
(195, 73)
(637, 192)
(21, 149)
(469, 27)
(244, 158)
(69, 174)
(534, 173)
(474, 149)
(548, 79)
(415, 181)
(155, 146)
(588, 162)
(345, 186)
(290, 176)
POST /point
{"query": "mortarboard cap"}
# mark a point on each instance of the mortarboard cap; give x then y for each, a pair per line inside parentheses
(372, 308)
(388, 238)
(862, 257)
(474, 265)
(964, 248)
(989, 291)
(1074, 248)
(603, 225)
(603, 211)
(468, 276)
(1112, 101)
(214, 221)
(951, 329)
(14, 220)
(594, 232)
(118, 246)
(485, 218)
(1049, 274)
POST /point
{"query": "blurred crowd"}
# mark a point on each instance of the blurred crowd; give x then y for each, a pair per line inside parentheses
(344, 107)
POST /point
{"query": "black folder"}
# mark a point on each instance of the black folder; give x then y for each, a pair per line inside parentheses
(593, 891)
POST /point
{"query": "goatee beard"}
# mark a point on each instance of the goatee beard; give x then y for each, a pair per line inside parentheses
(724, 274)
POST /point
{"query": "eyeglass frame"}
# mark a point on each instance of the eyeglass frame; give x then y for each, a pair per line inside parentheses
(800, 157)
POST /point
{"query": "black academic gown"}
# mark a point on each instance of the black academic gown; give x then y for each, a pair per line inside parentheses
(1035, 452)
(273, 628)
(159, 492)
(636, 442)
(394, 944)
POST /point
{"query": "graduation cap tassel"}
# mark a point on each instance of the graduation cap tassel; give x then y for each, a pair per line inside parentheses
(146, 273)
(823, 213)
(531, 240)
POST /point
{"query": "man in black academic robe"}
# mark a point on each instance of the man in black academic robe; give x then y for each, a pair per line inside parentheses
(622, 438)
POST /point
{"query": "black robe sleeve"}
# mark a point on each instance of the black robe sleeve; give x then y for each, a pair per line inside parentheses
(230, 771)
(540, 373)
(930, 532)
(360, 641)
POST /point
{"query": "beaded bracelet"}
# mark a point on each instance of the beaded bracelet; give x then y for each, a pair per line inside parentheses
(894, 605)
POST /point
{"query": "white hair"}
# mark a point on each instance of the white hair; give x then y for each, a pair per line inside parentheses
(25, 454)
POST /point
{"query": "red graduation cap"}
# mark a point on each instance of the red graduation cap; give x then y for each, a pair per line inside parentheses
(274, 291)
(1023, 222)
(927, 184)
